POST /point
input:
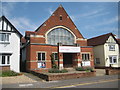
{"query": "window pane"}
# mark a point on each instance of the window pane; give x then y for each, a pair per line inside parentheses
(83, 56)
(8, 59)
(88, 57)
(114, 59)
(43, 56)
(7, 37)
(110, 58)
(0, 36)
(39, 56)
(60, 35)
(56, 56)
(3, 59)
(3, 36)
(111, 47)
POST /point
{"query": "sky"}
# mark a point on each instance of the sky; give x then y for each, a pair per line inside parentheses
(91, 18)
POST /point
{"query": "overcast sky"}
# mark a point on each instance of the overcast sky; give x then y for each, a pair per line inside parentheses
(91, 18)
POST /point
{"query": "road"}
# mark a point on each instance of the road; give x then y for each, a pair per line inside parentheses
(106, 81)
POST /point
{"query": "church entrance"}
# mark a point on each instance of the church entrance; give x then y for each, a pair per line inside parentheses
(67, 60)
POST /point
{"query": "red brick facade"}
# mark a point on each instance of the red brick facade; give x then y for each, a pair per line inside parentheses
(38, 43)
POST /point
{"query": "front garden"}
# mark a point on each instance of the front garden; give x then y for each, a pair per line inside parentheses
(8, 73)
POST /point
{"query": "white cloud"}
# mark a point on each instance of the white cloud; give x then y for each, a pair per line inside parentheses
(99, 14)
(108, 21)
(90, 14)
(50, 11)
(7, 8)
(23, 24)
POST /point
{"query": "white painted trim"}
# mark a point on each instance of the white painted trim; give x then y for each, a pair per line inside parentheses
(60, 27)
(37, 36)
(81, 39)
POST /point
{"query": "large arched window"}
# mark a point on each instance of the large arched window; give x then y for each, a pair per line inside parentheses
(60, 35)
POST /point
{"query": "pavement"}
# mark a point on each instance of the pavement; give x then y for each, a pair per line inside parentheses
(100, 72)
(79, 82)
(28, 80)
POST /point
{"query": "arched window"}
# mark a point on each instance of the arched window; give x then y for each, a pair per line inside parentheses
(60, 35)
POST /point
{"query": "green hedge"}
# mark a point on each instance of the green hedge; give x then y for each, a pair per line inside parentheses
(8, 73)
(57, 71)
(87, 69)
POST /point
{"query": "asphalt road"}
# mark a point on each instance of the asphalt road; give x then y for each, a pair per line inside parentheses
(106, 81)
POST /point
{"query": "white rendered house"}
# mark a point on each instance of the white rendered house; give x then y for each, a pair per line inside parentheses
(9, 46)
(106, 51)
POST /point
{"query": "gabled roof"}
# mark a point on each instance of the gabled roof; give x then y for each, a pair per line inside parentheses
(54, 20)
(4, 18)
(99, 40)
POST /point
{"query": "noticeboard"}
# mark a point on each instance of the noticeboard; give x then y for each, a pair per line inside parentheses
(41, 65)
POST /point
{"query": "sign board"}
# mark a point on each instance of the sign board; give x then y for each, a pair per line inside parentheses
(41, 64)
(68, 49)
(86, 63)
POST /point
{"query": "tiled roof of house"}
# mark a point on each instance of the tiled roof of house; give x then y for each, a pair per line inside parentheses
(23, 40)
(118, 40)
(99, 40)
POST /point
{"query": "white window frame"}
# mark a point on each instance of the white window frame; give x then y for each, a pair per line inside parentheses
(113, 56)
(41, 57)
(6, 39)
(6, 60)
(111, 49)
(88, 58)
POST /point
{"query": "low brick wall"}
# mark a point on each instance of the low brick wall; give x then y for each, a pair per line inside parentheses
(4, 68)
(112, 71)
(60, 76)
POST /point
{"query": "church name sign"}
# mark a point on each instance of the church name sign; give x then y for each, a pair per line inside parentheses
(68, 49)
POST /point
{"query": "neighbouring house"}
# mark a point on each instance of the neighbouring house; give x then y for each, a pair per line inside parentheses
(119, 48)
(106, 51)
(9, 46)
(57, 36)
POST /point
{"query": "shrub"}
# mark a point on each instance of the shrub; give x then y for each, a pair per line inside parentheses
(64, 71)
(79, 69)
(53, 71)
(8, 73)
(89, 69)
(54, 66)
(57, 71)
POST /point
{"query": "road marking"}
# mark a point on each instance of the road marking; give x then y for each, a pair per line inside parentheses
(86, 83)
(25, 85)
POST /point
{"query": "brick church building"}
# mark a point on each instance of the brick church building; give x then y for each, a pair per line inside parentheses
(59, 36)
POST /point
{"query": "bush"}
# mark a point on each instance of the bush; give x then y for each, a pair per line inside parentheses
(64, 71)
(53, 71)
(79, 69)
(8, 73)
(85, 69)
(89, 69)
(57, 71)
